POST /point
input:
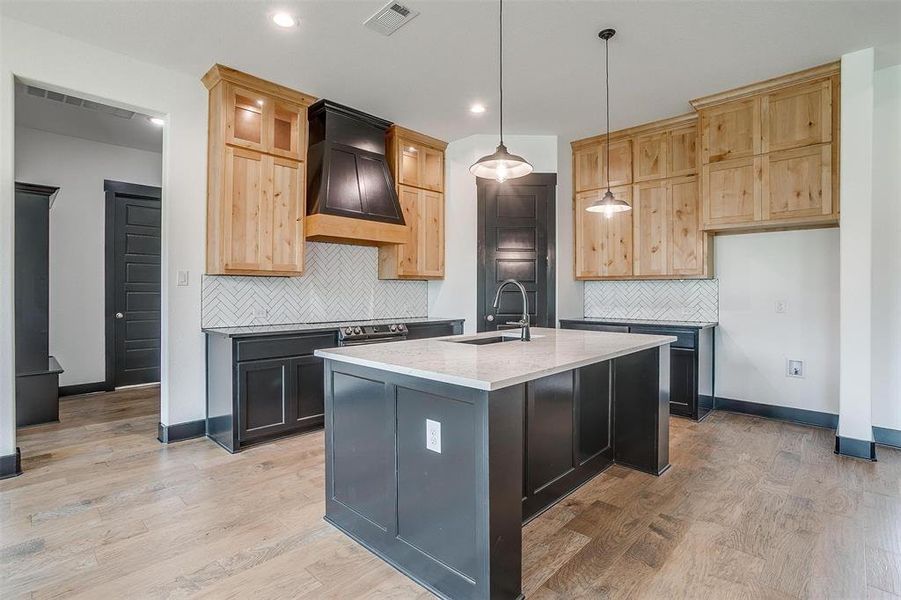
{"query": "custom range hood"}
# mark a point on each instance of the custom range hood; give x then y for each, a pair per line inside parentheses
(350, 191)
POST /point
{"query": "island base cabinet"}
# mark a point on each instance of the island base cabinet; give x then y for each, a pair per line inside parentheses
(438, 479)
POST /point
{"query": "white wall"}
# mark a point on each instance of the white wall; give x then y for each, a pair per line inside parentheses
(856, 266)
(61, 63)
(753, 341)
(78, 167)
(455, 295)
(887, 248)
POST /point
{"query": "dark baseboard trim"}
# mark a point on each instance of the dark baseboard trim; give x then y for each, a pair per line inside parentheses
(855, 448)
(181, 431)
(887, 437)
(11, 465)
(782, 413)
(84, 388)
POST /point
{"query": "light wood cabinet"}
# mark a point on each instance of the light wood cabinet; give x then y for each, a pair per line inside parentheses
(668, 241)
(256, 175)
(770, 153)
(417, 163)
(661, 237)
(603, 245)
(590, 163)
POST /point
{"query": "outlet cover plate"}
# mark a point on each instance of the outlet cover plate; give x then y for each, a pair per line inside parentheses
(794, 368)
(433, 435)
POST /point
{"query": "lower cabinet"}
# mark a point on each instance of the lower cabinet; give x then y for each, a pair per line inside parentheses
(263, 387)
(691, 362)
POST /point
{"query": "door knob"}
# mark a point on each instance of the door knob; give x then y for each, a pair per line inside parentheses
(489, 318)
(119, 315)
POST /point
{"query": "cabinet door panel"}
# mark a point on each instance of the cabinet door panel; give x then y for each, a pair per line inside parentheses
(245, 123)
(683, 399)
(797, 116)
(588, 230)
(617, 239)
(247, 211)
(650, 156)
(651, 228)
(287, 212)
(408, 254)
(587, 168)
(287, 130)
(620, 163)
(309, 389)
(431, 237)
(730, 131)
(798, 183)
(432, 165)
(683, 154)
(687, 239)
(409, 171)
(731, 191)
(263, 392)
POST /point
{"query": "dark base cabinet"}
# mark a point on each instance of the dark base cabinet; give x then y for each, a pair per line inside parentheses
(264, 387)
(691, 362)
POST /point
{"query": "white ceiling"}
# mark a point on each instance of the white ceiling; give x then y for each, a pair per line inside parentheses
(428, 73)
(75, 117)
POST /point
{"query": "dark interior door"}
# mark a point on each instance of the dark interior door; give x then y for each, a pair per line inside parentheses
(133, 283)
(516, 241)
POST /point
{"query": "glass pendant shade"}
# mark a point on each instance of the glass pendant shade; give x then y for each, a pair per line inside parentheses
(609, 205)
(501, 165)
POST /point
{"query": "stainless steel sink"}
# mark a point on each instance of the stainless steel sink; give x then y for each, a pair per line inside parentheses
(486, 340)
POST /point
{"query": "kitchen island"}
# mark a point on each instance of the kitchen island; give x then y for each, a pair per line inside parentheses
(438, 450)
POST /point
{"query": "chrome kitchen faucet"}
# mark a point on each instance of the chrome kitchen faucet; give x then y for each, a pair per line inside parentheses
(526, 335)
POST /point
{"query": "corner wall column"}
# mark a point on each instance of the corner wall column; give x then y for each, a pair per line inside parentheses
(854, 436)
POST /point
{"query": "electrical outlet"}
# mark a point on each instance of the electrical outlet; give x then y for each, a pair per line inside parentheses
(794, 368)
(260, 313)
(433, 435)
(781, 306)
(182, 279)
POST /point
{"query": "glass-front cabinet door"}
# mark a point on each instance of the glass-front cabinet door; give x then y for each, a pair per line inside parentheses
(288, 126)
(245, 122)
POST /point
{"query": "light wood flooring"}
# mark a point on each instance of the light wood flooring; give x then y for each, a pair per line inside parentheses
(751, 508)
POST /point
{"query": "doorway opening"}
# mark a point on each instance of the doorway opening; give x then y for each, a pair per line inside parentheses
(93, 253)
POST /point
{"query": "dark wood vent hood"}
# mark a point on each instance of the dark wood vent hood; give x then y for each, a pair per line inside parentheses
(350, 191)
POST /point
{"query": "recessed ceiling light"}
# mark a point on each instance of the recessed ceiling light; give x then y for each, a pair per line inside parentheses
(157, 121)
(283, 19)
(477, 109)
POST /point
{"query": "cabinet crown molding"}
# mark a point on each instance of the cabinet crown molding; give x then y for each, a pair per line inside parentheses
(768, 85)
(218, 73)
(415, 136)
(687, 119)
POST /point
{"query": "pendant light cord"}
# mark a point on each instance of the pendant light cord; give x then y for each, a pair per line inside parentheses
(607, 92)
(501, 60)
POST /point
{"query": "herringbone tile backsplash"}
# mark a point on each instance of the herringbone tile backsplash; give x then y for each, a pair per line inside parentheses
(671, 300)
(340, 283)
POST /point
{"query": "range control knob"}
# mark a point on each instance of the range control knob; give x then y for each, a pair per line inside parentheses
(357, 330)
(348, 331)
(393, 328)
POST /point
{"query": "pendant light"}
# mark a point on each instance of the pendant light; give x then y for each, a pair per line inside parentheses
(501, 165)
(609, 205)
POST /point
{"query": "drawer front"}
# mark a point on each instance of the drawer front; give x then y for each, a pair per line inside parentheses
(686, 337)
(281, 346)
(595, 327)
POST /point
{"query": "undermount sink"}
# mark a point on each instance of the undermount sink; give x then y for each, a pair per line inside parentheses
(487, 340)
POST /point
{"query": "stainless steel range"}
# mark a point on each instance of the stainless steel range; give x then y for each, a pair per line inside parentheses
(359, 335)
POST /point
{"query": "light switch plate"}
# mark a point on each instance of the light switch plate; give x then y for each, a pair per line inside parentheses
(182, 279)
(433, 435)
(781, 306)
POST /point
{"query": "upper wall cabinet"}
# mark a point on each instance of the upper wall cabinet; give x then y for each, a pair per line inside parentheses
(417, 164)
(661, 237)
(590, 163)
(769, 153)
(256, 183)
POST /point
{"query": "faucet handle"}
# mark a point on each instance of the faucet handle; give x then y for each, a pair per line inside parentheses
(520, 323)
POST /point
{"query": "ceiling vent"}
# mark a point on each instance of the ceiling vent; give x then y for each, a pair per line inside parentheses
(75, 101)
(390, 18)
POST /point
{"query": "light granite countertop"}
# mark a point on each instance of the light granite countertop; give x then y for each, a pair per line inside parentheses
(495, 366)
(257, 330)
